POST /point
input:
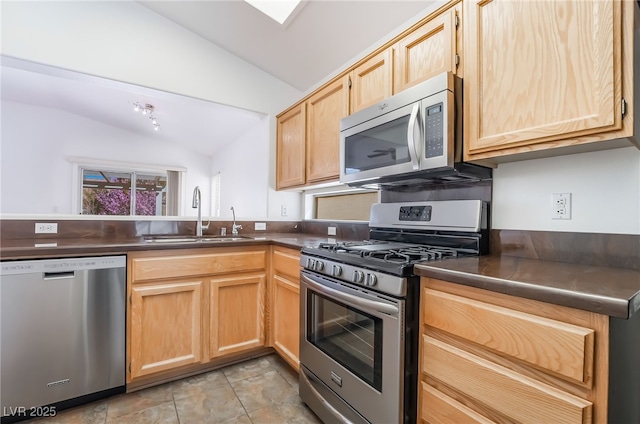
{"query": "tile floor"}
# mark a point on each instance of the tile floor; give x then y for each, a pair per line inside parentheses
(262, 390)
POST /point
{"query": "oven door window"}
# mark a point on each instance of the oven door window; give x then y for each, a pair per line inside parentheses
(349, 336)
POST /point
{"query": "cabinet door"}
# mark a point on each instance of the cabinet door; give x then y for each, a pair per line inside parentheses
(427, 51)
(286, 319)
(372, 81)
(290, 148)
(165, 326)
(236, 314)
(324, 111)
(539, 71)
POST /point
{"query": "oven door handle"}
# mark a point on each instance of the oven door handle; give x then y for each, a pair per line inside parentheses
(354, 300)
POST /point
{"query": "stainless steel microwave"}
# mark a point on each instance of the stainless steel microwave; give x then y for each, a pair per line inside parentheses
(412, 137)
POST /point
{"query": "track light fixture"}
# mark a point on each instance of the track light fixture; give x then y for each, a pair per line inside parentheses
(147, 110)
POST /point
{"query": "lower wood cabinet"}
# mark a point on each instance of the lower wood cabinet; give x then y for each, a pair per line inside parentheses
(236, 311)
(285, 304)
(191, 306)
(165, 329)
(489, 357)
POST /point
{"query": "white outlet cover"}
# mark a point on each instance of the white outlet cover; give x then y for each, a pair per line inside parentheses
(331, 231)
(46, 228)
(561, 206)
(261, 226)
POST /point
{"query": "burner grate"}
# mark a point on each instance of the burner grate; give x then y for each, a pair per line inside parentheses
(375, 250)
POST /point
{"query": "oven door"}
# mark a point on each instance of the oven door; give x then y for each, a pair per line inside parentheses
(352, 349)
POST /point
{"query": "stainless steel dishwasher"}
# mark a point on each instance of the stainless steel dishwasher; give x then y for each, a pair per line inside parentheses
(62, 336)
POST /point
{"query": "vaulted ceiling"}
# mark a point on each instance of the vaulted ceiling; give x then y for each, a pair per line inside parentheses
(322, 37)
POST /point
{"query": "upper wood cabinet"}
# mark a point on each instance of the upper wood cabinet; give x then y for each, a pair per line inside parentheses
(428, 50)
(290, 148)
(545, 74)
(308, 137)
(372, 81)
(325, 109)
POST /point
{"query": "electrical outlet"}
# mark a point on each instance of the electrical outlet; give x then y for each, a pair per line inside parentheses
(46, 228)
(283, 210)
(261, 226)
(561, 206)
(331, 231)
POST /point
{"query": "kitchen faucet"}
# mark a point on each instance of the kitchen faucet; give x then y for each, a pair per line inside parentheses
(235, 228)
(197, 203)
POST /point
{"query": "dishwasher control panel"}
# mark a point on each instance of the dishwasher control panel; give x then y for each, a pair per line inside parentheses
(56, 265)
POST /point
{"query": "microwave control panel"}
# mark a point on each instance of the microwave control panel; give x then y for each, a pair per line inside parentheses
(415, 213)
(434, 130)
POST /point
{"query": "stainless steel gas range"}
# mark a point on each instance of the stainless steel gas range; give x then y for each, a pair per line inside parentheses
(359, 310)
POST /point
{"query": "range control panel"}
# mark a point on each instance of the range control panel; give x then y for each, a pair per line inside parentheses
(415, 213)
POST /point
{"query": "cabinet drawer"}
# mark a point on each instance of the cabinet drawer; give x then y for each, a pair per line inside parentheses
(559, 347)
(513, 395)
(176, 265)
(438, 408)
(287, 262)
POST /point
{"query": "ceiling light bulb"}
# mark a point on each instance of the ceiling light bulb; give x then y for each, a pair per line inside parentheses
(154, 120)
(136, 107)
(144, 111)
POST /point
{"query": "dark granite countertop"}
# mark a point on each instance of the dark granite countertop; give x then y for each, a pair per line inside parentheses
(59, 247)
(609, 291)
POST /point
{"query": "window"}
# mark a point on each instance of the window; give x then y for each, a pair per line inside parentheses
(340, 205)
(108, 191)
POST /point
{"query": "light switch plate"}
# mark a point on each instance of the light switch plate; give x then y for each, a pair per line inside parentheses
(331, 231)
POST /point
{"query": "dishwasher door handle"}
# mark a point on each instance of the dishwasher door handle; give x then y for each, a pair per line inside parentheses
(58, 275)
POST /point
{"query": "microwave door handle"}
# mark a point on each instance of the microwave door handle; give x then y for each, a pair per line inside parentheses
(412, 140)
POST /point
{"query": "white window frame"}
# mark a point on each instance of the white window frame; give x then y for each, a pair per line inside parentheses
(78, 164)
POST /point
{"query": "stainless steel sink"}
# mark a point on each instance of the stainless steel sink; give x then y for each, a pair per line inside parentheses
(193, 239)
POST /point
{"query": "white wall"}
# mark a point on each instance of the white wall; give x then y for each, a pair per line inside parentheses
(605, 188)
(242, 166)
(48, 137)
(124, 41)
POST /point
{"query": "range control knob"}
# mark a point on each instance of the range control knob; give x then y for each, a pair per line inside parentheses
(311, 263)
(336, 270)
(371, 280)
(358, 276)
(319, 266)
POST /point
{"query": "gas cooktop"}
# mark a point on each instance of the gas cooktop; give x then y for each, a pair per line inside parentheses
(405, 234)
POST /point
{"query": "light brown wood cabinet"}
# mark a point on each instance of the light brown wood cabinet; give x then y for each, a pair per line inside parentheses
(190, 306)
(325, 109)
(285, 304)
(308, 137)
(165, 330)
(290, 147)
(488, 357)
(432, 48)
(372, 81)
(237, 313)
(541, 76)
